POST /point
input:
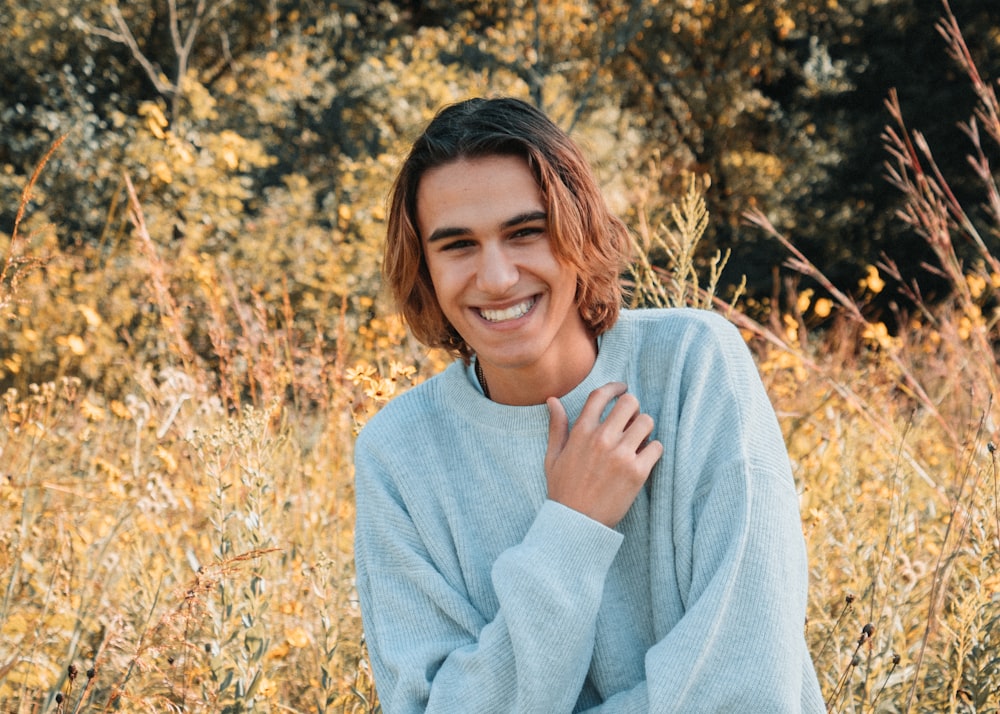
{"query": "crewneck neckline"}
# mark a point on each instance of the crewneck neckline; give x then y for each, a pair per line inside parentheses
(472, 405)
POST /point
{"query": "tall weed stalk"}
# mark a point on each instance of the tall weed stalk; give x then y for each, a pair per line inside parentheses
(932, 625)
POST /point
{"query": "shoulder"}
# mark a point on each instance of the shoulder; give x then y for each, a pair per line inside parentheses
(680, 327)
(411, 412)
(673, 349)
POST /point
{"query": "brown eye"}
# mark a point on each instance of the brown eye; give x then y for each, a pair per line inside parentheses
(527, 232)
(457, 245)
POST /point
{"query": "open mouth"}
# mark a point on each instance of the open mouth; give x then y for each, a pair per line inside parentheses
(511, 313)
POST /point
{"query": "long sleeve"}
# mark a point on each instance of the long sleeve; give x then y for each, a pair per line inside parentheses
(738, 646)
(433, 650)
(731, 519)
(480, 595)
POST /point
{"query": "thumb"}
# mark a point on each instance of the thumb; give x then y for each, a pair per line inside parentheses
(558, 430)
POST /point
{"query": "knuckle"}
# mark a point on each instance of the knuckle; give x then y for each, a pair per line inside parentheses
(629, 401)
(636, 477)
(644, 422)
(605, 440)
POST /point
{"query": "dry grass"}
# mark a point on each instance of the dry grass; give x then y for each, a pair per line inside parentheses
(179, 556)
(178, 547)
(893, 434)
(176, 525)
(183, 542)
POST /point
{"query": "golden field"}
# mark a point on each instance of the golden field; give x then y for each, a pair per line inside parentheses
(176, 500)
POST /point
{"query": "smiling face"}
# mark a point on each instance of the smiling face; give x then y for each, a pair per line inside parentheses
(485, 238)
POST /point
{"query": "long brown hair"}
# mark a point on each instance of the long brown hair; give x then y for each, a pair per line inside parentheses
(585, 234)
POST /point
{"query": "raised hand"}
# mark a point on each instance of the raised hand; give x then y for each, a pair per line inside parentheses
(598, 467)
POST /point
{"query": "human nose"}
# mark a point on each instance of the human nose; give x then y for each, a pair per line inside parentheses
(496, 273)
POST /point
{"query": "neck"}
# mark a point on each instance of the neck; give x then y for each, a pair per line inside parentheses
(532, 385)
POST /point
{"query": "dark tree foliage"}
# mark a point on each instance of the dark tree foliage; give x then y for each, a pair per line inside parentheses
(896, 46)
(780, 103)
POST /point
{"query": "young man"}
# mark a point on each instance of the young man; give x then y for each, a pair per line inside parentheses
(591, 510)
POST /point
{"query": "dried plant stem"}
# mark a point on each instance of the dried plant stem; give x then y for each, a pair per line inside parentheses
(931, 207)
(172, 318)
(996, 489)
(864, 638)
(799, 263)
(847, 609)
(942, 569)
(888, 675)
(678, 285)
(13, 262)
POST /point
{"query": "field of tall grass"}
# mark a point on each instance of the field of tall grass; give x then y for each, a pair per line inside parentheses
(176, 503)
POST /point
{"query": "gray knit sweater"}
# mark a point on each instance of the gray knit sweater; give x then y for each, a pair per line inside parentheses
(480, 595)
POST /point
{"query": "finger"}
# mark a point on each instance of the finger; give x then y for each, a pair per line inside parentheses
(598, 401)
(638, 431)
(648, 455)
(623, 414)
(558, 429)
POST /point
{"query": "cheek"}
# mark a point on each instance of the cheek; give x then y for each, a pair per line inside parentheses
(568, 283)
(443, 281)
(433, 270)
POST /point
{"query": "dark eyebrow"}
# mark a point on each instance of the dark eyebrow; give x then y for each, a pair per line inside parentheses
(526, 217)
(442, 233)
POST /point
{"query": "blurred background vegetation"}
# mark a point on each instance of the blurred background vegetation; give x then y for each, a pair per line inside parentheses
(264, 134)
(193, 328)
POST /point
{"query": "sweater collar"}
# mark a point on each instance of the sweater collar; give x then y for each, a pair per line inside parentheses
(460, 392)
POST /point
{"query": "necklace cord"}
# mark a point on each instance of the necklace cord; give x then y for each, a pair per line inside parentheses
(482, 379)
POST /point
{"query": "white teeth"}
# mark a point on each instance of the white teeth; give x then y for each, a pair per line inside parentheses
(511, 313)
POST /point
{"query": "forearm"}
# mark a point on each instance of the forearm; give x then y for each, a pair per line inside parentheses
(430, 653)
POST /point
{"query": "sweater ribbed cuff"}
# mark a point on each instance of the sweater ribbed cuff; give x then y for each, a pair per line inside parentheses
(575, 542)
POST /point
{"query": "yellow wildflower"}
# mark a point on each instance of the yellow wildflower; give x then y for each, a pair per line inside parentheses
(76, 345)
(91, 411)
(823, 307)
(873, 281)
(297, 637)
(361, 373)
(977, 285)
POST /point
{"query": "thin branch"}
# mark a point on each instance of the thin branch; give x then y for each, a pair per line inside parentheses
(174, 25)
(164, 88)
(803, 265)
